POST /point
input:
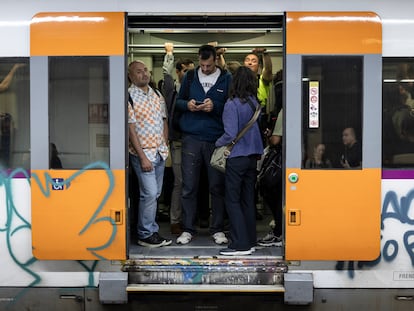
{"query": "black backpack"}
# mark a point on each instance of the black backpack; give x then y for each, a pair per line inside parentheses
(270, 174)
(176, 114)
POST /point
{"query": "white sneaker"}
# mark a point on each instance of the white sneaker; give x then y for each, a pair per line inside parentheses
(184, 238)
(220, 238)
(234, 252)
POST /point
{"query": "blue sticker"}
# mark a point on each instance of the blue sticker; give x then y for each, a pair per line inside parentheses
(58, 184)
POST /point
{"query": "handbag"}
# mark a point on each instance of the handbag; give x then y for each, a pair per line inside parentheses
(220, 154)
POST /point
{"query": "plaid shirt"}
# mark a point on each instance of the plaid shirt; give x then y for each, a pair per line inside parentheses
(148, 116)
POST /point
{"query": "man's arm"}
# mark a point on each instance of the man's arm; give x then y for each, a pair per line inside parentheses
(267, 65)
(168, 65)
(267, 68)
(276, 137)
(4, 85)
(146, 164)
(275, 140)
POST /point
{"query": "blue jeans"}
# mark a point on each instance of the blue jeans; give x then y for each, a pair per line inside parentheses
(194, 154)
(240, 201)
(150, 186)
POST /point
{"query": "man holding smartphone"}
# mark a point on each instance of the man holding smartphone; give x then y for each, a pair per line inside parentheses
(201, 100)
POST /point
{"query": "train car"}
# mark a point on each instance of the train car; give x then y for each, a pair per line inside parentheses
(67, 205)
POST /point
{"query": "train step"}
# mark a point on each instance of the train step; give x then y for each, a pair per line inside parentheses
(208, 273)
(204, 288)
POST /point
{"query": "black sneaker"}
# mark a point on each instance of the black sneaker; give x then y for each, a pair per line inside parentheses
(166, 241)
(270, 240)
(155, 240)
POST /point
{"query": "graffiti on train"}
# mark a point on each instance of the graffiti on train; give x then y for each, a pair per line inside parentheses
(395, 211)
(21, 267)
(94, 191)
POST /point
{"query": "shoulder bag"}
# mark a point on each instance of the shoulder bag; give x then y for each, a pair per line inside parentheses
(220, 154)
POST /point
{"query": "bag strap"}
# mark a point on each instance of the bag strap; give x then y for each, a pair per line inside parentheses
(247, 126)
(130, 101)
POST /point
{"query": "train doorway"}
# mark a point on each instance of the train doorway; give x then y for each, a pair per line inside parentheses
(236, 36)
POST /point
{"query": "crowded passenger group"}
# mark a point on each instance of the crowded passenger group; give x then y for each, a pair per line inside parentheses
(180, 123)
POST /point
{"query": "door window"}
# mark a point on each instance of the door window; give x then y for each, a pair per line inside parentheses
(78, 111)
(332, 112)
(398, 113)
(14, 113)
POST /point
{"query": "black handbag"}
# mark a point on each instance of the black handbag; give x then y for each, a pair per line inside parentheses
(270, 174)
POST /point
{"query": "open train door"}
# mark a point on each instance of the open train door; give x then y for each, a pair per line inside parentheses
(333, 82)
(78, 135)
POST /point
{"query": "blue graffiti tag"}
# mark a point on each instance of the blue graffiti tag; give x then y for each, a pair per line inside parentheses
(15, 221)
(391, 209)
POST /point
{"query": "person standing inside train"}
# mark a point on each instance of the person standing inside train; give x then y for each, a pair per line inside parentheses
(170, 90)
(252, 61)
(148, 150)
(241, 173)
(264, 79)
(272, 198)
(201, 100)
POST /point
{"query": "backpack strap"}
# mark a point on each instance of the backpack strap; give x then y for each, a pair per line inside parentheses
(130, 101)
(190, 79)
(156, 91)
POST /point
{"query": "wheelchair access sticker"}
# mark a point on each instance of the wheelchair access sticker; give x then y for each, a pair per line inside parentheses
(58, 184)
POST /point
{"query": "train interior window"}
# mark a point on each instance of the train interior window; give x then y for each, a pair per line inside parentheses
(238, 36)
(78, 111)
(14, 113)
(398, 113)
(332, 112)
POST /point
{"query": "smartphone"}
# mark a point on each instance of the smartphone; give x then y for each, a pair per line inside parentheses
(199, 103)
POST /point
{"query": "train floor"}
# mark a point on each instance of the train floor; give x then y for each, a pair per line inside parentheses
(202, 244)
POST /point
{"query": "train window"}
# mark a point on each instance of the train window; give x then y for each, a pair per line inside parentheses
(14, 113)
(398, 112)
(332, 112)
(78, 111)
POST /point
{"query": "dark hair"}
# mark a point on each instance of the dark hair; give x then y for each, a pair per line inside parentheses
(180, 62)
(206, 51)
(244, 84)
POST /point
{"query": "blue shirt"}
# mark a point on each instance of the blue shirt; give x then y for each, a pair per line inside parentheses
(236, 115)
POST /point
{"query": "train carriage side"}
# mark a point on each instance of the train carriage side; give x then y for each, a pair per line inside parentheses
(344, 229)
(300, 222)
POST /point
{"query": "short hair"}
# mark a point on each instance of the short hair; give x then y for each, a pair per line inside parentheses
(180, 62)
(206, 51)
(135, 62)
(232, 66)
